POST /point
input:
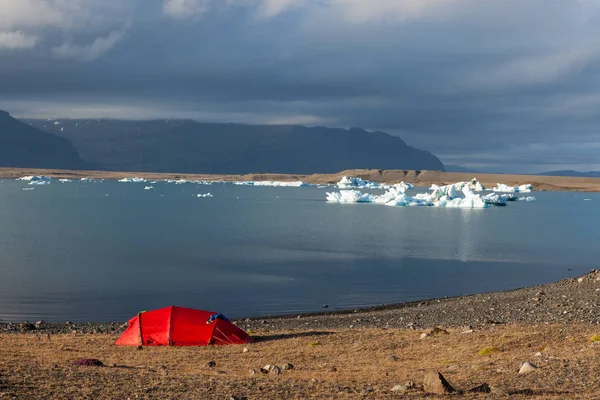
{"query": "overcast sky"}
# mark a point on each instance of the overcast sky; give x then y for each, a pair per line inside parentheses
(507, 85)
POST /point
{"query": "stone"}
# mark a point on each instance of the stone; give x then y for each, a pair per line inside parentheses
(27, 326)
(41, 322)
(424, 335)
(275, 370)
(400, 388)
(468, 331)
(580, 280)
(139, 348)
(538, 354)
(245, 350)
(483, 388)
(392, 358)
(287, 367)
(211, 364)
(252, 372)
(438, 331)
(527, 367)
(434, 382)
(325, 306)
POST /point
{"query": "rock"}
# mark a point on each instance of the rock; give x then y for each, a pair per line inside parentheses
(483, 388)
(438, 331)
(211, 364)
(325, 306)
(400, 388)
(424, 335)
(264, 371)
(392, 357)
(245, 350)
(468, 331)
(435, 382)
(41, 322)
(27, 326)
(88, 362)
(139, 348)
(275, 370)
(287, 367)
(580, 280)
(538, 354)
(252, 372)
(498, 391)
(527, 367)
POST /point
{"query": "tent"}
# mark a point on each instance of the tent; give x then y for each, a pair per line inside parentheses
(179, 326)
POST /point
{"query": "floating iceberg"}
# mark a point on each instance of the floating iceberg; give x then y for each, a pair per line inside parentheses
(501, 187)
(204, 195)
(398, 197)
(39, 183)
(28, 188)
(132, 180)
(528, 198)
(272, 183)
(65, 180)
(182, 181)
(149, 188)
(356, 183)
(35, 178)
(473, 185)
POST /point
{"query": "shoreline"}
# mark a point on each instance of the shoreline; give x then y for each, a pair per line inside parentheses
(418, 178)
(564, 301)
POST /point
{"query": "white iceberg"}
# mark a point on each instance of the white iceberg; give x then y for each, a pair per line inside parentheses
(356, 183)
(65, 180)
(149, 188)
(398, 197)
(39, 183)
(502, 188)
(204, 195)
(528, 198)
(35, 178)
(272, 183)
(28, 188)
(473, 185)
(132, 180)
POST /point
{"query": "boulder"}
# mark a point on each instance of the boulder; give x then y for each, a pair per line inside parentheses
(435, 382)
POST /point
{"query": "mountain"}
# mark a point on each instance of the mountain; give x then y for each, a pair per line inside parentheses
(589, 174)
(24, 146)
(188, 146)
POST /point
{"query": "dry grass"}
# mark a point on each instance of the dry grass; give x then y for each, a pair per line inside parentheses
(345, 364)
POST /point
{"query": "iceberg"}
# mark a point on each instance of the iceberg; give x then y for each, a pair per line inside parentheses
(149, 188)
(65, 180)
(528, 198)
(397, 196)
(272, 183)
(35, 178)
(501, 187)
(356, 183)
(474, 185)
(132, 180)
(28, 188)
(39, 183)
(204, 195)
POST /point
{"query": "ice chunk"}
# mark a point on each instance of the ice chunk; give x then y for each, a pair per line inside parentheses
(528, 198)
(356, 183)
(272, 183)
(39, 183)
(132, 180)
(350, 196)
(56, 123)
(28, 188)
(35, 178)
(65, 180)
(149, 188)
(501, 187)
(204, 195)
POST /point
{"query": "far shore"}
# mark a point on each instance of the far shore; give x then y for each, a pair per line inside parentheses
(417, 178)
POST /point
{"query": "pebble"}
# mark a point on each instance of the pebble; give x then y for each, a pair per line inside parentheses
(400, 388)
(392, 357)
(527, 367)
(424, 335)
(211, 364)
(538, 354)
(287, 367)
(245, 350)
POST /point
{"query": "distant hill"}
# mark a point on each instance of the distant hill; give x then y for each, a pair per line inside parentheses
(188, 146)
(24, 146)
(589, 174)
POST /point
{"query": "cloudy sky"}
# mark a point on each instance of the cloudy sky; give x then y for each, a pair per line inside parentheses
(508, 85)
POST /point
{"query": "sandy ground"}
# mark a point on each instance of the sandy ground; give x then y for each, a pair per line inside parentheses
(329, 364)
(418, 178)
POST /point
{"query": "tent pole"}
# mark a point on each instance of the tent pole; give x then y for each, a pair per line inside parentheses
(140, 323)
(169, 331)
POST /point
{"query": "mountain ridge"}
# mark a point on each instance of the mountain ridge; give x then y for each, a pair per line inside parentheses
(188, 146)
(22, 145)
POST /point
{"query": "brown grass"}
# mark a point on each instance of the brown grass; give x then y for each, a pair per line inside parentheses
(418, 178)
(347, 364)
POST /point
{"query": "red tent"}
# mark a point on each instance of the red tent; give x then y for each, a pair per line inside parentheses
(179, 326)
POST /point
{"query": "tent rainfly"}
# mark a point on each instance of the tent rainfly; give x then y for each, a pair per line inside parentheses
(179, 326)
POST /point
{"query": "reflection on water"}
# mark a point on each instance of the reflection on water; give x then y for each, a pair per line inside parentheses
(71, 252)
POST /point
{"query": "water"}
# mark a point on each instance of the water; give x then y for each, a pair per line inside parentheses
(104, 251)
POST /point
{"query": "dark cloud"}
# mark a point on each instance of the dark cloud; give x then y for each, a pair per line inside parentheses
(508, 86)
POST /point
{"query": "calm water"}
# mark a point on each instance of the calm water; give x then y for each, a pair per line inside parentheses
(104, 251)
